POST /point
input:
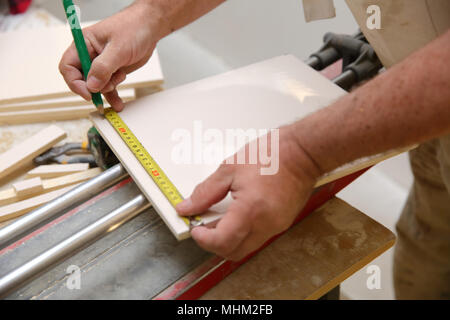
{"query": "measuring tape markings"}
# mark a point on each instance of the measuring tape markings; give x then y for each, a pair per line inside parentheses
(150, 165)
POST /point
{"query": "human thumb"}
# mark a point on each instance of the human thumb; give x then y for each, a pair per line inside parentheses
(103, 67)
(207, 193)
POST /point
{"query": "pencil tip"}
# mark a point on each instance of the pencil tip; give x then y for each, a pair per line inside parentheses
(101, 109)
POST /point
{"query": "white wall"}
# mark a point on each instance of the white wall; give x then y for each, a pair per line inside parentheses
(246, 31)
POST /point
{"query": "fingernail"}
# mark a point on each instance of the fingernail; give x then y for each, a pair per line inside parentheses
(93, 84)
(196, 232)
(185, 205)
(86, 95)
(117, 108)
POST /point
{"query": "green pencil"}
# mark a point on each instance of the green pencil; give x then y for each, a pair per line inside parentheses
(82, 50)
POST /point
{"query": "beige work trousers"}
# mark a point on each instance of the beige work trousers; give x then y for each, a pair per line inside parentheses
(422, 253)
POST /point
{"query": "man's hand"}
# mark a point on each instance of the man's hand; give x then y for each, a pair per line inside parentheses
(125, 41)
(262, 205)
(118, 45)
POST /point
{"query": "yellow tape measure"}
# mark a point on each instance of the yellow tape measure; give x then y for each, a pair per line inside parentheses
(153, 169)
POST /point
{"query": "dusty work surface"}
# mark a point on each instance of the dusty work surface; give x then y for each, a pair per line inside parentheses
(310, 259)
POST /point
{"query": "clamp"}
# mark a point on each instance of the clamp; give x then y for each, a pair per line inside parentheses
(360, 62)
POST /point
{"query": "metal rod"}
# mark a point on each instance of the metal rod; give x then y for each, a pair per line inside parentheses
(313, 62)
(25, 273)
(13, 231)
(346, 79)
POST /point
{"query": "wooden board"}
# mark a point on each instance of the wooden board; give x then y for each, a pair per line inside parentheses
(23, 153)
(265, 95)
(10, 195)
(55, 183)
(45, 115)
(31, 75)
(27, 187)
(311, 258)
(261, 96)
(20, 208)
(69, 101)
(360, 164)
(57, 170)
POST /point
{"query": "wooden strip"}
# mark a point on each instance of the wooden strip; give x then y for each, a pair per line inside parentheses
(44, 115)
(24, 153)
(28, 187)
(63, 181)
(359, 165)
(142, 92)
(10, 196)
(20, 208)
(57, 170)
(70, 101)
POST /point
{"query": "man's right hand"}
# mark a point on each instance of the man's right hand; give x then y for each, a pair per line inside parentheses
(118, 45)
(125, 41)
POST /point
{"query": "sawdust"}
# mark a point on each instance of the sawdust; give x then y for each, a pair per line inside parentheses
(6, 140)
(316, 281)
(311, 245)
(350, 230)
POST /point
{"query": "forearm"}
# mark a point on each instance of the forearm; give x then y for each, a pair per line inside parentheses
(407, 104)
(170, 15)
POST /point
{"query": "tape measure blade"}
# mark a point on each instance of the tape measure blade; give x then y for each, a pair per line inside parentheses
(145, 159)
